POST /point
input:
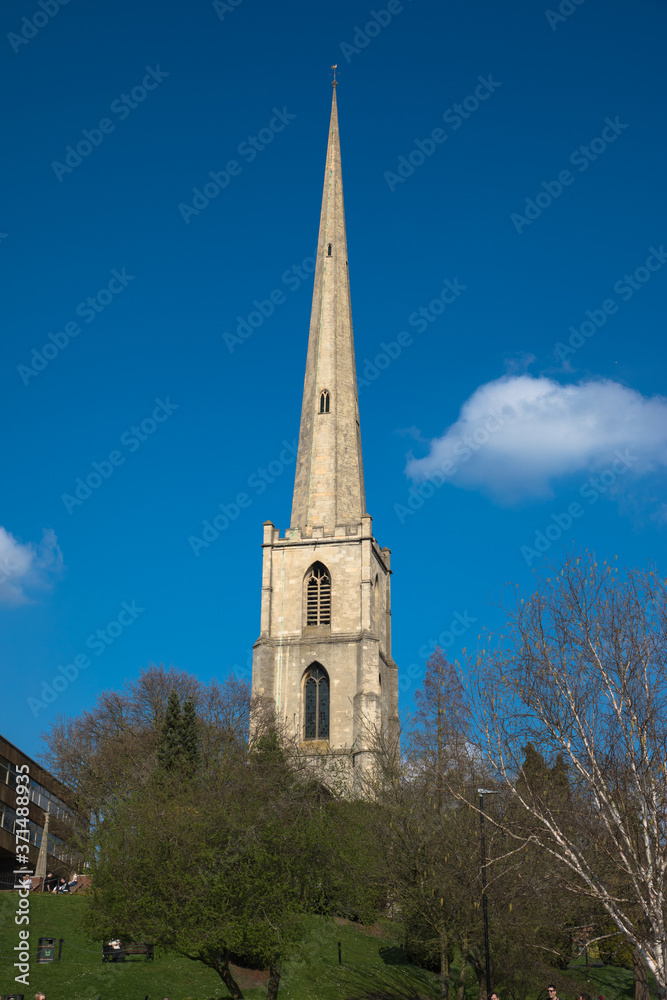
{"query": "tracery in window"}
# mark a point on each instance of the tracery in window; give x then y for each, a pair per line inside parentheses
(318, 595)
(316, 703)
(324, 401)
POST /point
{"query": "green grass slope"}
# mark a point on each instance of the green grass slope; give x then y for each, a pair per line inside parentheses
(81, 975)
(371, 960)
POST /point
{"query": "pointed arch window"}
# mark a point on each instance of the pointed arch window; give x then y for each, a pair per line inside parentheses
(316, 703)
(325, 401)
(318, 596)
(329, 247)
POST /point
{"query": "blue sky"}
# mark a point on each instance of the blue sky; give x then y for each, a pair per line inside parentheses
(539, 200)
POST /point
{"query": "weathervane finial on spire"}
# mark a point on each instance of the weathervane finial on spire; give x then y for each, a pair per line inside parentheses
(334, 68)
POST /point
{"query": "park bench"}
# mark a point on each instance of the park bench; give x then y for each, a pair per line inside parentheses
(111, 954)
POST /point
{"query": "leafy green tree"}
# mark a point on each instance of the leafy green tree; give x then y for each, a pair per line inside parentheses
(356, 886)
(171, 737)
(550, 786)
(221, 865)
(189, 735)
(112, 747)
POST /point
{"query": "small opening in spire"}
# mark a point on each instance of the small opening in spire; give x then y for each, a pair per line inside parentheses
(324, 401)
(329, 250)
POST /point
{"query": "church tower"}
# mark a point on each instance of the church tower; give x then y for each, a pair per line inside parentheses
(323, 660)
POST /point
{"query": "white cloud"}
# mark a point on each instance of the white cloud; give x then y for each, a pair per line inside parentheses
(515, 436)
(24, 568)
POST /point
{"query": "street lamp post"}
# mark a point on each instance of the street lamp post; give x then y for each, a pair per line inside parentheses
(485, 910)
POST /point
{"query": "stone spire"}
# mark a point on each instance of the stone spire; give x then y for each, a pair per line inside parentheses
(329, 483)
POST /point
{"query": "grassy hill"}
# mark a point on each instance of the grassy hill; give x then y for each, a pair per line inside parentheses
(370, 958)
(81, 975)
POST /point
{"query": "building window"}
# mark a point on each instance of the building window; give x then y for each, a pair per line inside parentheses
(318, 596)
(7, 772)
(316, 703)
(40, 795)
(329, 250)
(7, 817)
(324, 401)
(46, 800)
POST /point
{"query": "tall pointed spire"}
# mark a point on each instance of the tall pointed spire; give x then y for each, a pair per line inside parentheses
(322, 662)
(329, 483)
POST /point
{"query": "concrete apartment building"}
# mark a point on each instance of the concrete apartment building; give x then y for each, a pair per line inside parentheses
(46, 793)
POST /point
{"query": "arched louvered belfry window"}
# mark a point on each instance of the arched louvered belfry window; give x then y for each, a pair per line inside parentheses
(316, 703)
(318, 595)
(324, 401)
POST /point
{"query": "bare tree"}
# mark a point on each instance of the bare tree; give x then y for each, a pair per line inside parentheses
(113, 745)
(581, 674)
(438, 727)
(430, 853)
